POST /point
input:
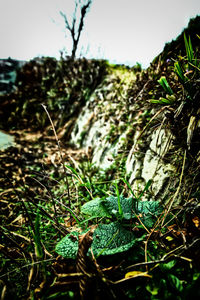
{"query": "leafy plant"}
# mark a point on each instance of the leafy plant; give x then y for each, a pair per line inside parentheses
(163, 82)
(170, 97)
(169, 100)
(68, 246)
(113, 238)
(179, 71)
(95, 208)
(188, 67)
(189, 50)
(108, 207)
(183, 68)
(108, 239)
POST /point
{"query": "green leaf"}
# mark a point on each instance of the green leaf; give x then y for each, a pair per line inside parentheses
(111, 205)
(95, 208)
(149, 211)
(189, 49)
(149, 207)
(168, 266)
(68, 246)
(37, 237)
(163, 82)
(175, 282)
(113, 238)
(153, 290)
(135, 199)
(148, 184)
(179, 71)
(118, 201)
(108, 239)
(72, 170)
(163, 101)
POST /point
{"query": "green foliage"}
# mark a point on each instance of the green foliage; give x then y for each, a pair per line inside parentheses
(112, 206)
(168, 266)
(68, 246)
(149, 210)
(118, 201)
(169, 100)
(113, 238)
(110, 239)
(127, 226)
(37, 238)
(56, 83)
(188, 69)
(189, 49)
(179, 71)
(95, 208)
(163, 82)
(170, 97)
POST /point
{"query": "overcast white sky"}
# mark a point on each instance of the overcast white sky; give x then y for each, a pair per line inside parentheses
(123, 31)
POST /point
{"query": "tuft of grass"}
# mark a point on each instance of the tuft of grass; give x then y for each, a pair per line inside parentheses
(189, 49)
(165, 85)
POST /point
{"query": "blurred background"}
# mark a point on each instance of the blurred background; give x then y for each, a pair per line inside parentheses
(122, 31)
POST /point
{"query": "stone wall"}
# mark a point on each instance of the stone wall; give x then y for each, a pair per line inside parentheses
(113, 126)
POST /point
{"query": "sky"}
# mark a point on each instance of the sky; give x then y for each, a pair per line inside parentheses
(122, 31)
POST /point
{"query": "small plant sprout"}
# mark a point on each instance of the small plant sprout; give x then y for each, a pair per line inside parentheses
(180, 73)
(170, 97)
(163, 82)
(189, 50)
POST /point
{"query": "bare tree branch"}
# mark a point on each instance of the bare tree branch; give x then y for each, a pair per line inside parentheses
(77, 24)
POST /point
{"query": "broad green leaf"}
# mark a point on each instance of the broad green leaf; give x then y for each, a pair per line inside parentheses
(108, 239)
(149, 211)
(113, 238)
(95, 208)
(149, 207)
(68, 246)
(111, 205)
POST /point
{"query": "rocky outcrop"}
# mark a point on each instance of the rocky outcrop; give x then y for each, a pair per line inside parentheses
(113, 126)
(125, 130)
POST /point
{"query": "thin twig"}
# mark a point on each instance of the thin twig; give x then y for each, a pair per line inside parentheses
(59, 150)
(178, 189)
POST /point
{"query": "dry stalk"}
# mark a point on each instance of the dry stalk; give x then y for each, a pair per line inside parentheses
(59, 150)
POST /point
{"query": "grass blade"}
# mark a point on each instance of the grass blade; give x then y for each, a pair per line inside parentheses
(163, 82)
(179, 71)
(189, 49)
(118, 200)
